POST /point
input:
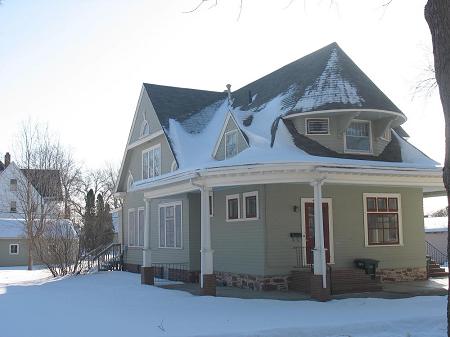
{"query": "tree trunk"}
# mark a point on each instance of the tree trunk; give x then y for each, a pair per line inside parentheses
(437, 14)
(30, 255)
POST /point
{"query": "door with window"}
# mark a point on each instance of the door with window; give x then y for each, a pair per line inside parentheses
(309, 230)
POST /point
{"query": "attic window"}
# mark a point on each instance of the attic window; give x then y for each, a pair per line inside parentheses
(358, 137)
(145, 129)
(231, 144)
(317, 126)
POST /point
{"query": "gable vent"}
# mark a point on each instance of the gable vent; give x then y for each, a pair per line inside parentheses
(317, 126)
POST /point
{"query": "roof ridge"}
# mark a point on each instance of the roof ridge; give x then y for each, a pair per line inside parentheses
(184, 88)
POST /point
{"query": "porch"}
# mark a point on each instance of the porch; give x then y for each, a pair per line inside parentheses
(431, 287)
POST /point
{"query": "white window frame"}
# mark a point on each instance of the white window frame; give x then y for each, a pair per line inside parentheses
(136, 226)
(143, 125)
(346, 150)
(244, 203)
(152, 148)
(170, 204)
(211, 203)
(386, 135)
(399, 212)
(18, 248)
(11, 185)
(234, 131)
(233, 196)
(317, 134)
(130, 181)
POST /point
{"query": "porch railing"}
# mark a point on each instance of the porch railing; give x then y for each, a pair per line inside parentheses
(173, 272)
(436, 255)
(301, 257)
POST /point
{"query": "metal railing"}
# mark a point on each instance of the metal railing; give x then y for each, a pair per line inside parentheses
(173, 271)
(302, 258)
(436, 255)
(110, 258)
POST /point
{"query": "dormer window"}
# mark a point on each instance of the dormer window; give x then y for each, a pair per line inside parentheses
(317, 126)
(358, 137)
(231, 144)
(145, 129)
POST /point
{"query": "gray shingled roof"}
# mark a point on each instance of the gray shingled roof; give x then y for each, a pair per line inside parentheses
(182, 104)
(326, 77)
(46, 182)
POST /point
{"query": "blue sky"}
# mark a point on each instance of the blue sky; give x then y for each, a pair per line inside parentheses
(79, 65)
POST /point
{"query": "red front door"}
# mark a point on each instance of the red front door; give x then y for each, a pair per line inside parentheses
(309, 230)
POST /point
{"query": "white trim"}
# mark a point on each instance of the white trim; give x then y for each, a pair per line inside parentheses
(234, 131)
(318, 112)
(346, 150)
(129, 227)
(222, 132)
(388, 131)
(130, 177)
(244, 204)
(145, 139)
(328, 201)
(143, 125)
(170, 204)
(173, 166)
(399, 212)
(317, 134)
(151, 148)
(138, 227)
(18, 248)
(228, 197)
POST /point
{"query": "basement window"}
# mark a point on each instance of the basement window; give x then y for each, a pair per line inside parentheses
(317, 126)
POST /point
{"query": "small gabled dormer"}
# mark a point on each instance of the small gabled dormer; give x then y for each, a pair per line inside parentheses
(231, 140)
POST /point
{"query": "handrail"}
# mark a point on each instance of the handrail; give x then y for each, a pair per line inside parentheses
(106, 249)
(435, 254)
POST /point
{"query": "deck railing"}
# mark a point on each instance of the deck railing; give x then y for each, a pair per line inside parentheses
(173, 271)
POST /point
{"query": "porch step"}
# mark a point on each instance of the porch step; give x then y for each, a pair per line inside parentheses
(352, 281)
(435, 270)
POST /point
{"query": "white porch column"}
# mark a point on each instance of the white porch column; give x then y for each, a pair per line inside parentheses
(206, 252)
(319, 247)
(147, 253)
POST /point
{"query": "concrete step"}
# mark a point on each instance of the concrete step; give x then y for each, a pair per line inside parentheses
(438, 274)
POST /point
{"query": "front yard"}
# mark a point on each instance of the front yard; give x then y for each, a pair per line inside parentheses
(115, 304)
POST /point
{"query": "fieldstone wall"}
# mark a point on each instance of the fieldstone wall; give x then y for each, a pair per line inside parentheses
(402, 274)
(253, 282)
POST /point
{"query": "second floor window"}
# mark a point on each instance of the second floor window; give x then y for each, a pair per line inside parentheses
(151, 162)
(231, 144)
(13, 185)
(357, 137)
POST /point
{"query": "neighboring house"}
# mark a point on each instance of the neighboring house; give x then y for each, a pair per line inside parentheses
(13, 245)
(228, 184)
(436, 232)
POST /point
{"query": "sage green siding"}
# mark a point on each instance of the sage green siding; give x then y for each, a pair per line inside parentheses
(242, 143)
(7, 260)
(194, 230)
(169, 255)
(348, 229)
(144, 109)
(133, 200)
(239, 246)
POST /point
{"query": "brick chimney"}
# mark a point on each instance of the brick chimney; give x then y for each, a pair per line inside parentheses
(7, 159)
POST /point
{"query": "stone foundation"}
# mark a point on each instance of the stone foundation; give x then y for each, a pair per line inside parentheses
(258, 283)
(147, 275)
(209, 285)
(402, 274)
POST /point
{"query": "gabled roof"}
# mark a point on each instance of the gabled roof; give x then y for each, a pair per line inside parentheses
(46, 182)
(326, 79)
(181, 104)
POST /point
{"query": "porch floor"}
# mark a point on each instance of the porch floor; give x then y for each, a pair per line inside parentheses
(431, 287)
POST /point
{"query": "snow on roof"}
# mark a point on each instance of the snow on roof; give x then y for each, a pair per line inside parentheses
(436, 224)
(330, 87)
(11, 228)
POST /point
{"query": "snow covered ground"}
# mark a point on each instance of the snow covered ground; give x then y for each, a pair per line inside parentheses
(115, 304)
